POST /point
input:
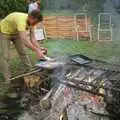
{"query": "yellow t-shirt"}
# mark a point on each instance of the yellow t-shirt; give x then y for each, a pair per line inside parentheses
(13, 23)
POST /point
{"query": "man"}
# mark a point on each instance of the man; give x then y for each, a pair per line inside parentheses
(13, 27)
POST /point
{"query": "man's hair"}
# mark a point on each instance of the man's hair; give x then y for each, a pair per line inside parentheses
(37, 15)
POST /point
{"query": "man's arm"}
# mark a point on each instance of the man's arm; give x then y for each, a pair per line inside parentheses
(33, 39)
(35, 42)
(29, 44)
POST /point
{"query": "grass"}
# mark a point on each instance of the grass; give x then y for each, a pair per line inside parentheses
(107, 51)
(97, 50)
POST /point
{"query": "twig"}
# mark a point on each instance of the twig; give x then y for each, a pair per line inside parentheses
(25, 74)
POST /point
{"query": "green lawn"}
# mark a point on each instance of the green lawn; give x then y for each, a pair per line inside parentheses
(109, 52)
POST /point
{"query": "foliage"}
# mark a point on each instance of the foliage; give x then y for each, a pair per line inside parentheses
(8, 6)
(90, 6)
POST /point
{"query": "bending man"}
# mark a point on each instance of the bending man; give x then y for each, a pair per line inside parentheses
(13, 27)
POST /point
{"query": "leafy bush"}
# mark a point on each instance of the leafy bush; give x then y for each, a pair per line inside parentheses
(8, 6)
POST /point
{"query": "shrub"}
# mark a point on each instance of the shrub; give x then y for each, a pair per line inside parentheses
(8, 6)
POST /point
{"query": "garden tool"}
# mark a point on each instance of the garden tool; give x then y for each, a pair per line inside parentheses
(50, 64)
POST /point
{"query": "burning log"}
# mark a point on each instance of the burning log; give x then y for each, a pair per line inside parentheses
(73, 85)
(58, 111)
(58, 93)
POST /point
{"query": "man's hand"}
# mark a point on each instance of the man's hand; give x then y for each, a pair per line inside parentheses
(39, 53)
(44, 50)
(35, 42)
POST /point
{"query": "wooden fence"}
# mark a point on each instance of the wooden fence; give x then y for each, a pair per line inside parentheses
(64, 27)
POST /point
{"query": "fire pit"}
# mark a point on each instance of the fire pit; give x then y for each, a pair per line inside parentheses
(82, 89)
(87, 91)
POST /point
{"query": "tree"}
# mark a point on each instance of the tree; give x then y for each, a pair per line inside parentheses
(8, 6)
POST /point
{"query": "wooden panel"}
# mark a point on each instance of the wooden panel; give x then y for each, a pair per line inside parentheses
(63, 26)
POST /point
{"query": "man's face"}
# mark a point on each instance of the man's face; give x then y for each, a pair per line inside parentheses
(32, 21)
